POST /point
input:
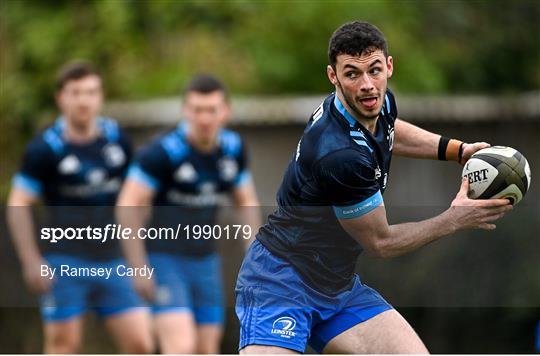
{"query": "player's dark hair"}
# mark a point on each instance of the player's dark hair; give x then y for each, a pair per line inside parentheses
(206, 84)
(355, 39)
(74, 71)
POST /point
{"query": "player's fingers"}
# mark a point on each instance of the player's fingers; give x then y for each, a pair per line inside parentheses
(487, 226)
(495, 210)
(494, 217)
(151, 294)
(481, 145)
(464, 189)
(147, 292)
(40, 287)
(491, 202)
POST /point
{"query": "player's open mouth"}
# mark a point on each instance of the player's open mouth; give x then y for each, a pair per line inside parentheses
(369, 103)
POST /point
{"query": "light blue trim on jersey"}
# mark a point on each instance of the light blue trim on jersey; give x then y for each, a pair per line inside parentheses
(387, 101)
(135, 172)
(175, 146)
(27, 183)
(230, 142)
(53, 136)
(357, 134)
(363, 143)
(242, 178)
(360, 139)
(359, 209)
(343, 111)
(109, 129)
(182, 128)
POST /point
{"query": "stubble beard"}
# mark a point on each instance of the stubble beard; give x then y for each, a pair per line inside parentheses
(351, 103)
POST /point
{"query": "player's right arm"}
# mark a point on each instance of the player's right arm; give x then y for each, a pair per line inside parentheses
(380, 239)
(25, 192)
(22, 232)
(134, 209)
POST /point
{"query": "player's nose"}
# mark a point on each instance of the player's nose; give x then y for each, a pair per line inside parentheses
(366, 84)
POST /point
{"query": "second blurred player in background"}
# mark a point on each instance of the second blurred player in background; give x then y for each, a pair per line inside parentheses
(76, 168)
(184, 175)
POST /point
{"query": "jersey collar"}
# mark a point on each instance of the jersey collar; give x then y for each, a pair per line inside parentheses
(60, 125)
(339, 106)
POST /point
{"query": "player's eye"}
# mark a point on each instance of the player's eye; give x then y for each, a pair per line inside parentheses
(375, 71)
(351, 75)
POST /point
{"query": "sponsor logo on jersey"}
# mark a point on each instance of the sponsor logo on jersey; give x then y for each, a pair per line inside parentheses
(69, 165)
(284, 327)
(114, 155)
(390, 137)
(207, 188)
(96, 176)
(377, 173)
(228, 168)
(186, 173)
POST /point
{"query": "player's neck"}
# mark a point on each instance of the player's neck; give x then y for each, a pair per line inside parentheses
(369, 123)
(81, 134)
(201, 145)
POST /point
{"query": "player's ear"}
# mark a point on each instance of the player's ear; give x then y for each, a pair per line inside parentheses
(227, 112)
(331, 73)
(389, 66)
(184, 107)
(58, 99)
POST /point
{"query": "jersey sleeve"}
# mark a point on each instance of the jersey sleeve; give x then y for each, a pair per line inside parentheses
(348, 179)
(35, 168)
(244, 174)
(125, 143)
(233, 146)
(150, 166)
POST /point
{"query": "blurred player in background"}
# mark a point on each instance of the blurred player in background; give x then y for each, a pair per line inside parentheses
(297, 282)
(79, 161)
(184, 175)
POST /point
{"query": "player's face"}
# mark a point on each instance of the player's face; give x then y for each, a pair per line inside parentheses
(362, 81)
(206, 114)
(81, 100)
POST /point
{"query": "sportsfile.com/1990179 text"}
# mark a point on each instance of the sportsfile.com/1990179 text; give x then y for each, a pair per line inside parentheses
(118, 232)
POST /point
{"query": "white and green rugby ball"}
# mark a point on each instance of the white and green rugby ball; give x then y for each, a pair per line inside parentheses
(498, 172)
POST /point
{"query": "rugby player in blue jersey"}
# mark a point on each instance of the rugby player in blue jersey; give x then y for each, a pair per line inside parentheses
(76, 167)
(184, 174)
(297, 283)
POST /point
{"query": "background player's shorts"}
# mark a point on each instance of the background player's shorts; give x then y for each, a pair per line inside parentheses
(189, 284)
(277, 308)
(72, 296)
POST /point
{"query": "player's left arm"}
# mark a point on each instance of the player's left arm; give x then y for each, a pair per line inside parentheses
(245, 200)
(244, 194)
(415, 142)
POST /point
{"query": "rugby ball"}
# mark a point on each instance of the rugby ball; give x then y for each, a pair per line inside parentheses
(498, 172)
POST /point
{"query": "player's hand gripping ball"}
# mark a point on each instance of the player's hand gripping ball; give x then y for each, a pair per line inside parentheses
(498, 172)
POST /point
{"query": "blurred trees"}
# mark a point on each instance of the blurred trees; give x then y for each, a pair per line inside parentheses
(150, 48)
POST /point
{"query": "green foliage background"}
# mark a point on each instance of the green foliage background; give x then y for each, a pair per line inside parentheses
(149, 48)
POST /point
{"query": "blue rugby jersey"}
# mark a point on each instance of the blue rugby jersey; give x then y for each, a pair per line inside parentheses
(79, 182)
(339, 170)
(189, 185)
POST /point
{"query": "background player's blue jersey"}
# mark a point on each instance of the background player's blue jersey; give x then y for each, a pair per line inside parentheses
(189, 184)
(339, 170)
(80, 182)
